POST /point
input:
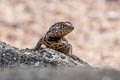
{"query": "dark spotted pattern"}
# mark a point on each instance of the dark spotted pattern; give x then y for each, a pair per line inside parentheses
(54, 38)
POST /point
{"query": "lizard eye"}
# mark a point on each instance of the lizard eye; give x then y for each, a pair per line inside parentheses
(62, 26)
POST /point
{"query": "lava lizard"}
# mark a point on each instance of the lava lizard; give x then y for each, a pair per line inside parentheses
(55, 39)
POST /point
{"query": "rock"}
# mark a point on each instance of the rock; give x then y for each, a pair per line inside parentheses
(13, 57)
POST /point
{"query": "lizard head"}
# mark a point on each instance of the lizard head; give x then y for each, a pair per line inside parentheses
(60, 29)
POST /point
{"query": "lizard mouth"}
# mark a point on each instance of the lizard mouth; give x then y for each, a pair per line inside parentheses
(72, 28)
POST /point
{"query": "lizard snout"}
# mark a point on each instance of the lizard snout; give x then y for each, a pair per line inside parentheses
(69, 24)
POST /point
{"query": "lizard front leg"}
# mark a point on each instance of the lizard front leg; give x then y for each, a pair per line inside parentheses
(70, 53)
(67, 48)
(40, 42)
(70, 50)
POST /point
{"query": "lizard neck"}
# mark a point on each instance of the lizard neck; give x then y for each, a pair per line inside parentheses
(52, 38)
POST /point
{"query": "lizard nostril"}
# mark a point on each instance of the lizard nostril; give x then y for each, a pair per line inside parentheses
(72, 28)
